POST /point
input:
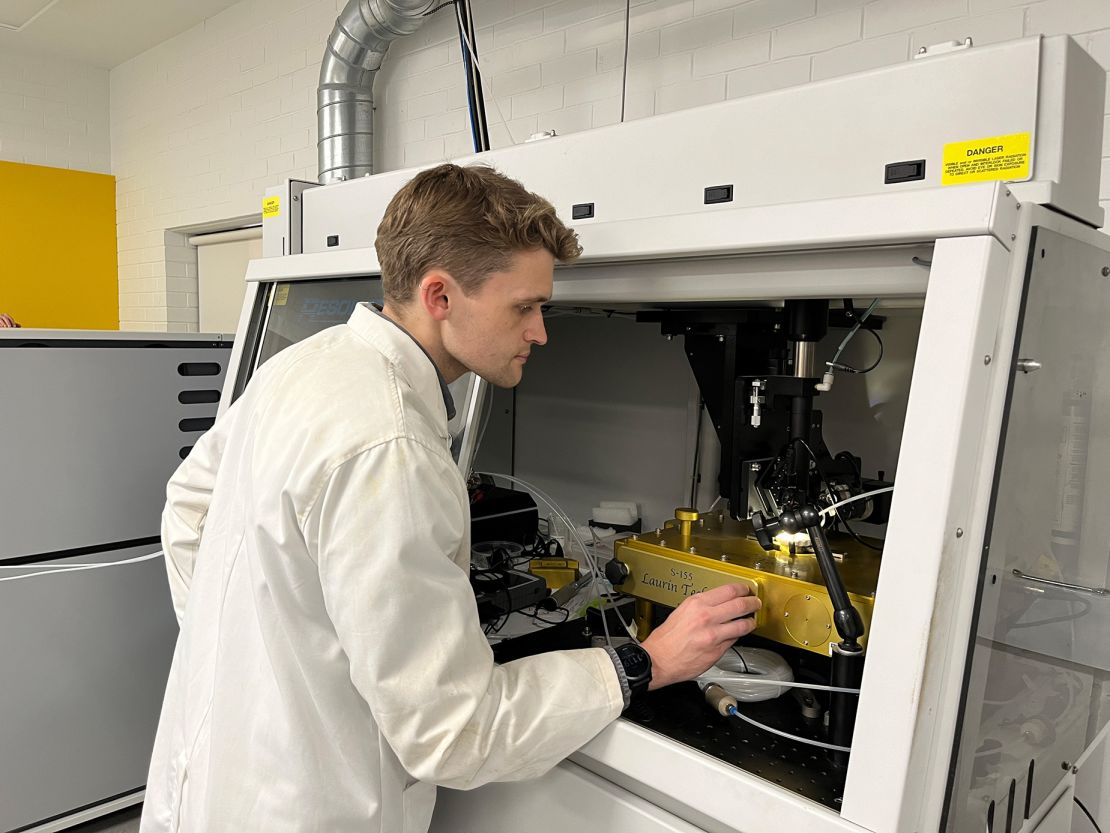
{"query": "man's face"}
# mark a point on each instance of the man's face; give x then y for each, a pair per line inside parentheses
(492, 331)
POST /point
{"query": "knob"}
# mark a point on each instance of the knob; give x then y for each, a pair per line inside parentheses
(616, 572)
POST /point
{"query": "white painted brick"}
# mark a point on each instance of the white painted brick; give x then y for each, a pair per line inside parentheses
(745, 52)
(984, 29)
(817, 34)
(457, 144)
(885, 16)
(768, 14)
(426, 150)
(857, 57)
(695, 33)
(538, 101)
(569, 68)
(651, 75)
(610, 57)
(434, 56)
(981, 6)
(1099, 47)
(569, 12)
(606, 112)
(709, 6)
(517, 81)
(690, 93)
(595, 32)
(513, 133)
(767, 77)
(449, 122)
(643, 46)
(593, 88)
(569, 120)
(829, 6)
(659, 13)
(407, 132)
(517, 28)
(1067, 17)
(425, 105)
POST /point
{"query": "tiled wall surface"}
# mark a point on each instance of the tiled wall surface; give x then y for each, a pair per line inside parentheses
(203, 123)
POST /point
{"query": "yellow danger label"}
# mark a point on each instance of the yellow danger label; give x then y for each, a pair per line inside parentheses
(271, 207)
(281, 295)
(983, 160)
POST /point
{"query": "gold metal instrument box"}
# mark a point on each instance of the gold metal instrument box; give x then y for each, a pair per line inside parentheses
(696, 552)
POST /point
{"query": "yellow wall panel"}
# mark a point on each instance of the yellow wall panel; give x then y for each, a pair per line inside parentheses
(58, 247)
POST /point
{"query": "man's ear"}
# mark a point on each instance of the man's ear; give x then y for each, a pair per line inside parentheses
(436, 291)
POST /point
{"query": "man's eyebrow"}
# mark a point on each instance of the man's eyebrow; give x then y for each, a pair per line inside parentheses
(536, 299)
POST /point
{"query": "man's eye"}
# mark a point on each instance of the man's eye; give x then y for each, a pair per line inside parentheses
(526, 309)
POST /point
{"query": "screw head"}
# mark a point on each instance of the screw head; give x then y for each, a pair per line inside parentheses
(1106, 271)
(1013, 237)
(959, 532)
(986, 359)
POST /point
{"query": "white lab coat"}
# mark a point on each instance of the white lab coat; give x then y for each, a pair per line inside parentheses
(331, 667)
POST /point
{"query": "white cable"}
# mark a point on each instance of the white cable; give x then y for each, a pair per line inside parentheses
(707, 677)
(745, 673)
(787, 735)
(75, 567)
(586, 552)
(828, 510)
(481, 78)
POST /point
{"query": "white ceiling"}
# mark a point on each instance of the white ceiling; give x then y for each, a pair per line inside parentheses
(101, 33)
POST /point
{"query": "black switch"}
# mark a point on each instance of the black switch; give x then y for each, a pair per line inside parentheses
(333, 240)
(905, 171)
(718, 193)
(582, 211)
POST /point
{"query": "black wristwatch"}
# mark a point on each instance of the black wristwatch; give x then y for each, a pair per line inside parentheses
(637, 666)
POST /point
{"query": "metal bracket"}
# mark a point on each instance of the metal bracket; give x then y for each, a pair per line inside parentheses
(1079, 588)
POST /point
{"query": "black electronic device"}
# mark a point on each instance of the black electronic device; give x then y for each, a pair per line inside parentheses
(500, 514)
(500, 592)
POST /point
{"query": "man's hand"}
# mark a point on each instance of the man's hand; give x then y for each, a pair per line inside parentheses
(7, 321)
(698, 633)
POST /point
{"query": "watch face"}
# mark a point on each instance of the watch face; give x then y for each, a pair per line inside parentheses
(636, 661)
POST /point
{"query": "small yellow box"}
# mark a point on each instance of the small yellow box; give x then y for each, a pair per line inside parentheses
(557, 572)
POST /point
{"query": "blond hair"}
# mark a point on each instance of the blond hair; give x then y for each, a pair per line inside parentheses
(468, 221)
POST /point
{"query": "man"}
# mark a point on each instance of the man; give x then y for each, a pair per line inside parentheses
(331, 667)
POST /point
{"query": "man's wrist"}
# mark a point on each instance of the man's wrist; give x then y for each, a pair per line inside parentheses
(622, 677)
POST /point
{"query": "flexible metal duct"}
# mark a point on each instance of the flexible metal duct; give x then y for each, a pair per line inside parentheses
(345, 97)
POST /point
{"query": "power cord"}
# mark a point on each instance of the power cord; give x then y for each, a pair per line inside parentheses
(1087, 813)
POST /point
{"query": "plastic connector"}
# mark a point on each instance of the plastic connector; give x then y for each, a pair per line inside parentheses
(826, 383)
(719, 700)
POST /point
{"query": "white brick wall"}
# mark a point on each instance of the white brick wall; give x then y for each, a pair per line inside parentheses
(53, 113)
(203, 123)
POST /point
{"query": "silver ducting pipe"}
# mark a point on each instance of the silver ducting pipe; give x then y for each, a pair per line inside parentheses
(345, 97)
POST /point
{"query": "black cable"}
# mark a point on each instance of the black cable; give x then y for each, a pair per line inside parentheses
(849, 369)
(697, 457)
(1087, 813)
(430, 12)
(736, 651)
(828, 482)
(624, 74)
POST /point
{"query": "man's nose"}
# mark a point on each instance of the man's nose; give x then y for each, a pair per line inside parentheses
(537, 333)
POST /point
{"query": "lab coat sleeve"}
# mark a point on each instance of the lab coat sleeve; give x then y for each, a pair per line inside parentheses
(188, 495)
(385, 527)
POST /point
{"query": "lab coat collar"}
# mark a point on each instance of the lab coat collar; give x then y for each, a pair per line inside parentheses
(404, 351)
